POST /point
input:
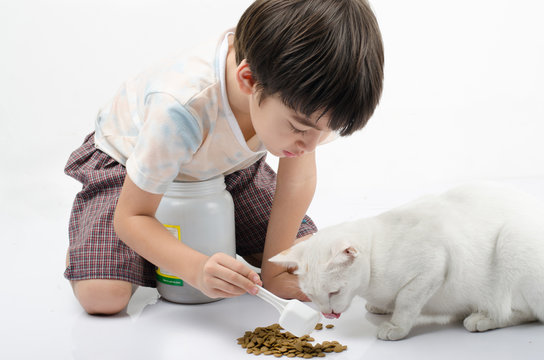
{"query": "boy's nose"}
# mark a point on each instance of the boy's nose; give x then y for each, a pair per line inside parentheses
(309, 142)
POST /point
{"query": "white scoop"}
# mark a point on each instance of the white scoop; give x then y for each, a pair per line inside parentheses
(296, 317)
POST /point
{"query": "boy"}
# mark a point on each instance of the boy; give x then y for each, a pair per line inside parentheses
(294, 72)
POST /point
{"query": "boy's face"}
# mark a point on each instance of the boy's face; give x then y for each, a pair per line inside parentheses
(284, 132)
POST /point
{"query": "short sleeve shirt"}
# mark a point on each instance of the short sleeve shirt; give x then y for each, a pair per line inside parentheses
(174, 122)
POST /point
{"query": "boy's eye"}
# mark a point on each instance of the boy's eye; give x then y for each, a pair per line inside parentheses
(295, 130)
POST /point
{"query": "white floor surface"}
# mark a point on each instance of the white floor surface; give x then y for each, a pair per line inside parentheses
(42, 320)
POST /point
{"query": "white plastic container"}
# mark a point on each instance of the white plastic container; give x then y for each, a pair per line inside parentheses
(201, 214)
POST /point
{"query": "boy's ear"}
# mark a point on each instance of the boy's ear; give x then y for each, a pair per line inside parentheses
(244, 77)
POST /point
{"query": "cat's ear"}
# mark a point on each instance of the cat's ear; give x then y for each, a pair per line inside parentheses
(291, 257)
(343, 254)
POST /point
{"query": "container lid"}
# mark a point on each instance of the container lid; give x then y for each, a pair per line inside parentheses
(205, 187)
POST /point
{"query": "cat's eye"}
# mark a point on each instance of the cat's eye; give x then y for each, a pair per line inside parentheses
(334, 293)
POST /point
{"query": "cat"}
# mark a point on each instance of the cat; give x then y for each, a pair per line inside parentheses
(475, 252)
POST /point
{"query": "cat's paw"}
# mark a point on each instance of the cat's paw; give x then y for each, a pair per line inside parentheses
(479, 322)
(376, 310)
(390, 331)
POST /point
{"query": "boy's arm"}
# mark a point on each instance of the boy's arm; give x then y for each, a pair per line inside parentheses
(295, 188)
(217, 276)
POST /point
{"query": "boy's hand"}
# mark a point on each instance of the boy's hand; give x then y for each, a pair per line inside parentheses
(285, 285)
(224, 276)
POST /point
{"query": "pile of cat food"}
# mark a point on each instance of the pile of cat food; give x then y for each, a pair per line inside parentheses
(271, 340)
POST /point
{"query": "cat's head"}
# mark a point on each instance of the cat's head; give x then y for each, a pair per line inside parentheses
(331, 267)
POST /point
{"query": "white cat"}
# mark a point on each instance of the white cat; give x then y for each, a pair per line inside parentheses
(475, 252)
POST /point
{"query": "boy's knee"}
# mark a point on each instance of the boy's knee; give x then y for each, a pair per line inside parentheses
(102, 297)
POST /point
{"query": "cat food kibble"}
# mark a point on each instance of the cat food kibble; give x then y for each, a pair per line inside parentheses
(271, 341)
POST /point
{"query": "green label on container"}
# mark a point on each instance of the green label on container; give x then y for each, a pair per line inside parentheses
(162, 275)
(168, 279)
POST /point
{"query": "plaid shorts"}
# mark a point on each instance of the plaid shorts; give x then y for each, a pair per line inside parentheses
(95, 251)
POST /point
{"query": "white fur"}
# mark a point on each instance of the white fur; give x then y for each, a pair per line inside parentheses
(475, 253)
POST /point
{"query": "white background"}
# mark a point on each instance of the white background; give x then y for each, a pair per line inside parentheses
(463, 100)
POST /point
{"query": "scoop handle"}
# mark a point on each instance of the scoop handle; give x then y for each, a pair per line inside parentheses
(272, 299)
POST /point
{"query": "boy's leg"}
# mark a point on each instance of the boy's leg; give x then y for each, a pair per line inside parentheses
(100, 267)
(102, 297)
(252, 190)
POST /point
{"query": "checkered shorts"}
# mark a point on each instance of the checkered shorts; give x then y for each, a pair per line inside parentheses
(95, 251)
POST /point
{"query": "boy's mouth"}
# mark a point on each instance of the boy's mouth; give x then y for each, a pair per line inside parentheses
(288, 154)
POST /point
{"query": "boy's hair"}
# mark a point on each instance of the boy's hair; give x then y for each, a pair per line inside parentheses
(322, 56)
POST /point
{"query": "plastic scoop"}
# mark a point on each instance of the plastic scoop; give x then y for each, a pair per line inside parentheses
(296, 317)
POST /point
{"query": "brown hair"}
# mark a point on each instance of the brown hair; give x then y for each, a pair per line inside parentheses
(321, 56)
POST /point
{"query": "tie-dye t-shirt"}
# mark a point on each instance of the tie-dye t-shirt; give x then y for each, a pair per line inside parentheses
(173, 122)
